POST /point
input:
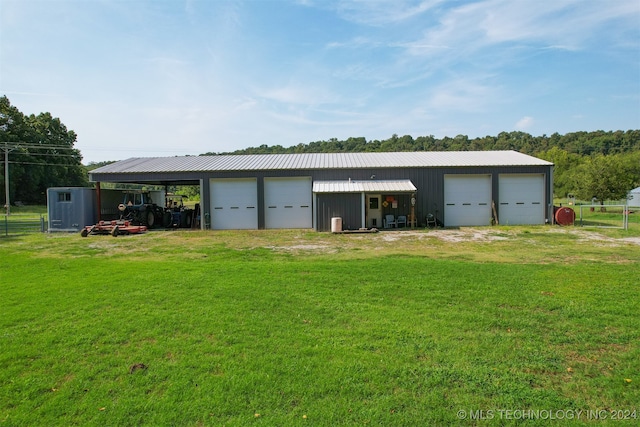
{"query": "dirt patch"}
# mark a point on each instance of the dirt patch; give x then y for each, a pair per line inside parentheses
(461, 235)
(394, 236)
(447, 235)
(488, 235)
(595, 237)
(634, 240)
(468, 235)
(598, 238)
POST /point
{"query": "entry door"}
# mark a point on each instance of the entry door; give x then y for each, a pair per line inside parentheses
(374, 211)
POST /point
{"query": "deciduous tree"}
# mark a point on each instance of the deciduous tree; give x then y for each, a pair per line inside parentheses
(42, 154)
(608, 177)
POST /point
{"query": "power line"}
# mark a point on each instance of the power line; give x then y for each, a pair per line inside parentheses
(49, 154)
(38, 146)
(43, 164)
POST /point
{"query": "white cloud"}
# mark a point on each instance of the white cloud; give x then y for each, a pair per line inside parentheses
(524, 123)
(463, 94)
(378, 13)
(357, 42)
(217, 76)
(566, 24)
(299, 94)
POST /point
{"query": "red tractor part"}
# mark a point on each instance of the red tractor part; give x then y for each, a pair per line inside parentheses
(115, 228)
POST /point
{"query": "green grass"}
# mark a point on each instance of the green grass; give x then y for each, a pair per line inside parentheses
(16, 224)
(23, 220)
(28, 209)
(609, 217)
(314, 328)
(606, 216)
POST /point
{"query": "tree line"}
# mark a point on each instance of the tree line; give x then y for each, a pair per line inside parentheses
(604, 165)
(581, 143)
(41, 154)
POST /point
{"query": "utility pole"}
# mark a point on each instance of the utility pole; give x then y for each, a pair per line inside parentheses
(6, 178)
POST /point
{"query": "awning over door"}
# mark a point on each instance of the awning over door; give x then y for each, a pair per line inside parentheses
(369, 186)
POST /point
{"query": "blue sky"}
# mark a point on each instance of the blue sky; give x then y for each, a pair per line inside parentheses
(142, 78)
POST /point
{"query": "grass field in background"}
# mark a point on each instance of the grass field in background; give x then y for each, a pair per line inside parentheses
(606, 216)
(302, 328)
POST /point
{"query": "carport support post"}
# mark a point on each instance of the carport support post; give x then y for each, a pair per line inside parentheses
(413, 210)
(98, 201)
(363, 220)
(205, 203)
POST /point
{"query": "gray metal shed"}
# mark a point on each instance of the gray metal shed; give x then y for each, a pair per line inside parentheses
(273, 190)
(70, 208)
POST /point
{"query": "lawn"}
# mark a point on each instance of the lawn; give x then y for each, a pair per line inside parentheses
(278, 328)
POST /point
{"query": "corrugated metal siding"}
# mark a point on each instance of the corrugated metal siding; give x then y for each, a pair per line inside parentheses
(403, 203)
(347, 206)
(73, 212)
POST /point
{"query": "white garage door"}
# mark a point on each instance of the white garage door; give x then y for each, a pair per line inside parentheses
(521, 199)
(287, 202)
(234, 204)
(467, 200)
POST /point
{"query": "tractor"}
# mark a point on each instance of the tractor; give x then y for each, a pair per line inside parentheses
(139, 208)
(177, 215)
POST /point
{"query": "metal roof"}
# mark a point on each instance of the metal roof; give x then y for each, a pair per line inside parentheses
(315, 161)
(350, 186)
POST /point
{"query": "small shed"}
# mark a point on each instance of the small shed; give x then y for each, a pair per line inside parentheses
(70, 208)
(633, 197)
